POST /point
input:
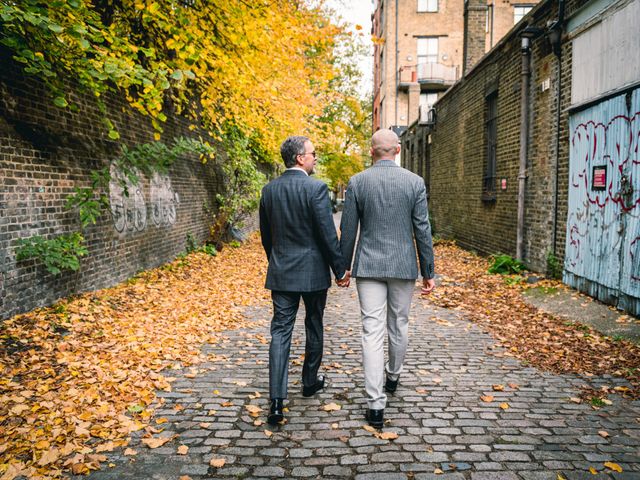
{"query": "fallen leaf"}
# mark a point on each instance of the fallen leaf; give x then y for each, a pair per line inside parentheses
(50, 456)
(613, 466)
(185, 477)
(515, 386)
(130, 452)
(593, 471)
(369, 428)
(268, 433)
(257, 423)
(486, 398)
(437, 471)
(497, 388)
(204, 424)
(603, 433)
(331, 407)
(217, 462)
(334, 426)
(575, 400)
(504, 405)
(387, 435)
(161, 420)
(183, 449)
(155, 442)
(421, 390)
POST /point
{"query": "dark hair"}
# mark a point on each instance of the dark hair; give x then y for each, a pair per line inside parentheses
(291, 148)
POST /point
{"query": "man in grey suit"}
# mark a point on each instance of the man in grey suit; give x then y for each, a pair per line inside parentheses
(390, 205)
(301, 243)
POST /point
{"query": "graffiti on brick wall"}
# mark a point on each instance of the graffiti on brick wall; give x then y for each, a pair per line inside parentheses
(163, 201)
(603, 225)
(128, 208)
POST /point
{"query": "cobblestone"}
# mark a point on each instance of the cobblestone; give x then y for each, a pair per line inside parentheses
(541, 436)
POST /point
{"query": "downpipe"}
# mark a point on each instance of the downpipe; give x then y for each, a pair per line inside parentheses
(524, 143)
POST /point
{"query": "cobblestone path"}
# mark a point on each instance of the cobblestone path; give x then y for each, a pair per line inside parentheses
(437, 413)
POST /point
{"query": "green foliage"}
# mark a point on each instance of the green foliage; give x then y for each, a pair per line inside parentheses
(554, 266)
(57, 254)
(192, 243)
(512, 280)
(597, 402)
(505, 265)
(242, 181)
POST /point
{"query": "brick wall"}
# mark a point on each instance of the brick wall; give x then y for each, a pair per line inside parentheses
(46, 152)
(455, 160)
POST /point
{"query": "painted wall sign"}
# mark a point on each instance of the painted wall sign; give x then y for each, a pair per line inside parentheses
(599, 177)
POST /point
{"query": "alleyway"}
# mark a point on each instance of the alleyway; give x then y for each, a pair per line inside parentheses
(530, 429)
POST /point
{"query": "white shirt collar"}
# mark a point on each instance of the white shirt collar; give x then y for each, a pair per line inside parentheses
(298, 168)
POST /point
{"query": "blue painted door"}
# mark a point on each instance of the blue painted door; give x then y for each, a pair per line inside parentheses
(602, 255)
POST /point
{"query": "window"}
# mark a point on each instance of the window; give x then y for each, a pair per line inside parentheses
(427, 50)
(491, 127)
(427, 5)
(520, 11)
(428, 99)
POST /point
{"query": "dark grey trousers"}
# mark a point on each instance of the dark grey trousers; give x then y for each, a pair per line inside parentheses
(285, 309)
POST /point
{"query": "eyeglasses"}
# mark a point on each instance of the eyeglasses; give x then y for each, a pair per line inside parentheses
(308, 153)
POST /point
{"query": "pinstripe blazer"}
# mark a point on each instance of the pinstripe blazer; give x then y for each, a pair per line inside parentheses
(298, 234)
(390, 204)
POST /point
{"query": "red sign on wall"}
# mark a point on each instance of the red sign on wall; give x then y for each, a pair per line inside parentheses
(599, 177)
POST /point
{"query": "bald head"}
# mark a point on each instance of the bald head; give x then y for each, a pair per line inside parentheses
(384, 144)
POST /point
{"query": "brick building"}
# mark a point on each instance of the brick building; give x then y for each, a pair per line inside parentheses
(427, 36)
(534, 151)
(45, 152)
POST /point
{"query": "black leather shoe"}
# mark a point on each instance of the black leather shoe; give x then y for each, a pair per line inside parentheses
(311, 390)
(390, 386)
(375, 417)
(276, 411)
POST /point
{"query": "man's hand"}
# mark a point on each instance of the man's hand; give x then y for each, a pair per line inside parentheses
(344, 281)
(428, 284)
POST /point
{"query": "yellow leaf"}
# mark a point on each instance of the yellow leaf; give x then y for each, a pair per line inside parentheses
(217, 462)
(613, 466)
(49, 457)
(161, 420)
(504, 405)
(369, 428)
(183, 449)
(593, 471)
(330, 407)
(155, 442)
(497, 388)
(437, 471)
(268, 433)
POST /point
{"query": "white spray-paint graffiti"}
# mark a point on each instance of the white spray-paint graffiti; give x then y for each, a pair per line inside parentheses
(163, 201)
(129, 211)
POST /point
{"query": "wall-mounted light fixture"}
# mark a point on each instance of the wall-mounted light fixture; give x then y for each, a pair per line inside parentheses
(554, 36)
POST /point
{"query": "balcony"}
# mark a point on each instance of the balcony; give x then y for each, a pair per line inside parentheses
(428, 74)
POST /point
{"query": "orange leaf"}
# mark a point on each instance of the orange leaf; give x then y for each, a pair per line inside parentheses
(486, 398)
(613, 466)
(217, 462)
(183, 449)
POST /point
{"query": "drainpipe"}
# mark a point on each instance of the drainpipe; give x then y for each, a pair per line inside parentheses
(558, 51)
(527, 35)
(397, 72)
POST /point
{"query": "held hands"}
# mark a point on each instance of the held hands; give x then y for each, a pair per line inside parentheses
(344, 281)
(428, 284)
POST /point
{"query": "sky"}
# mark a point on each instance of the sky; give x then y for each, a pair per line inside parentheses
(358, 12)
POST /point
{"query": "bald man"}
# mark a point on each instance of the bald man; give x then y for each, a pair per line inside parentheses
(389, 204)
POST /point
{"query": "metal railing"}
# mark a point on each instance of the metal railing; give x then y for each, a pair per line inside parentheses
(429, 72)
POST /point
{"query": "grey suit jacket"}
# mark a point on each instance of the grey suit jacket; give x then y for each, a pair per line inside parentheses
(390, 204)
(298, 234)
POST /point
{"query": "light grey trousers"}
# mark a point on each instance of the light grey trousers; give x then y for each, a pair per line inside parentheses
(384, 307)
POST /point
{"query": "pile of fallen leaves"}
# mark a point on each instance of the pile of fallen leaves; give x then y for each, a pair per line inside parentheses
(77, 378)
(544, 340)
